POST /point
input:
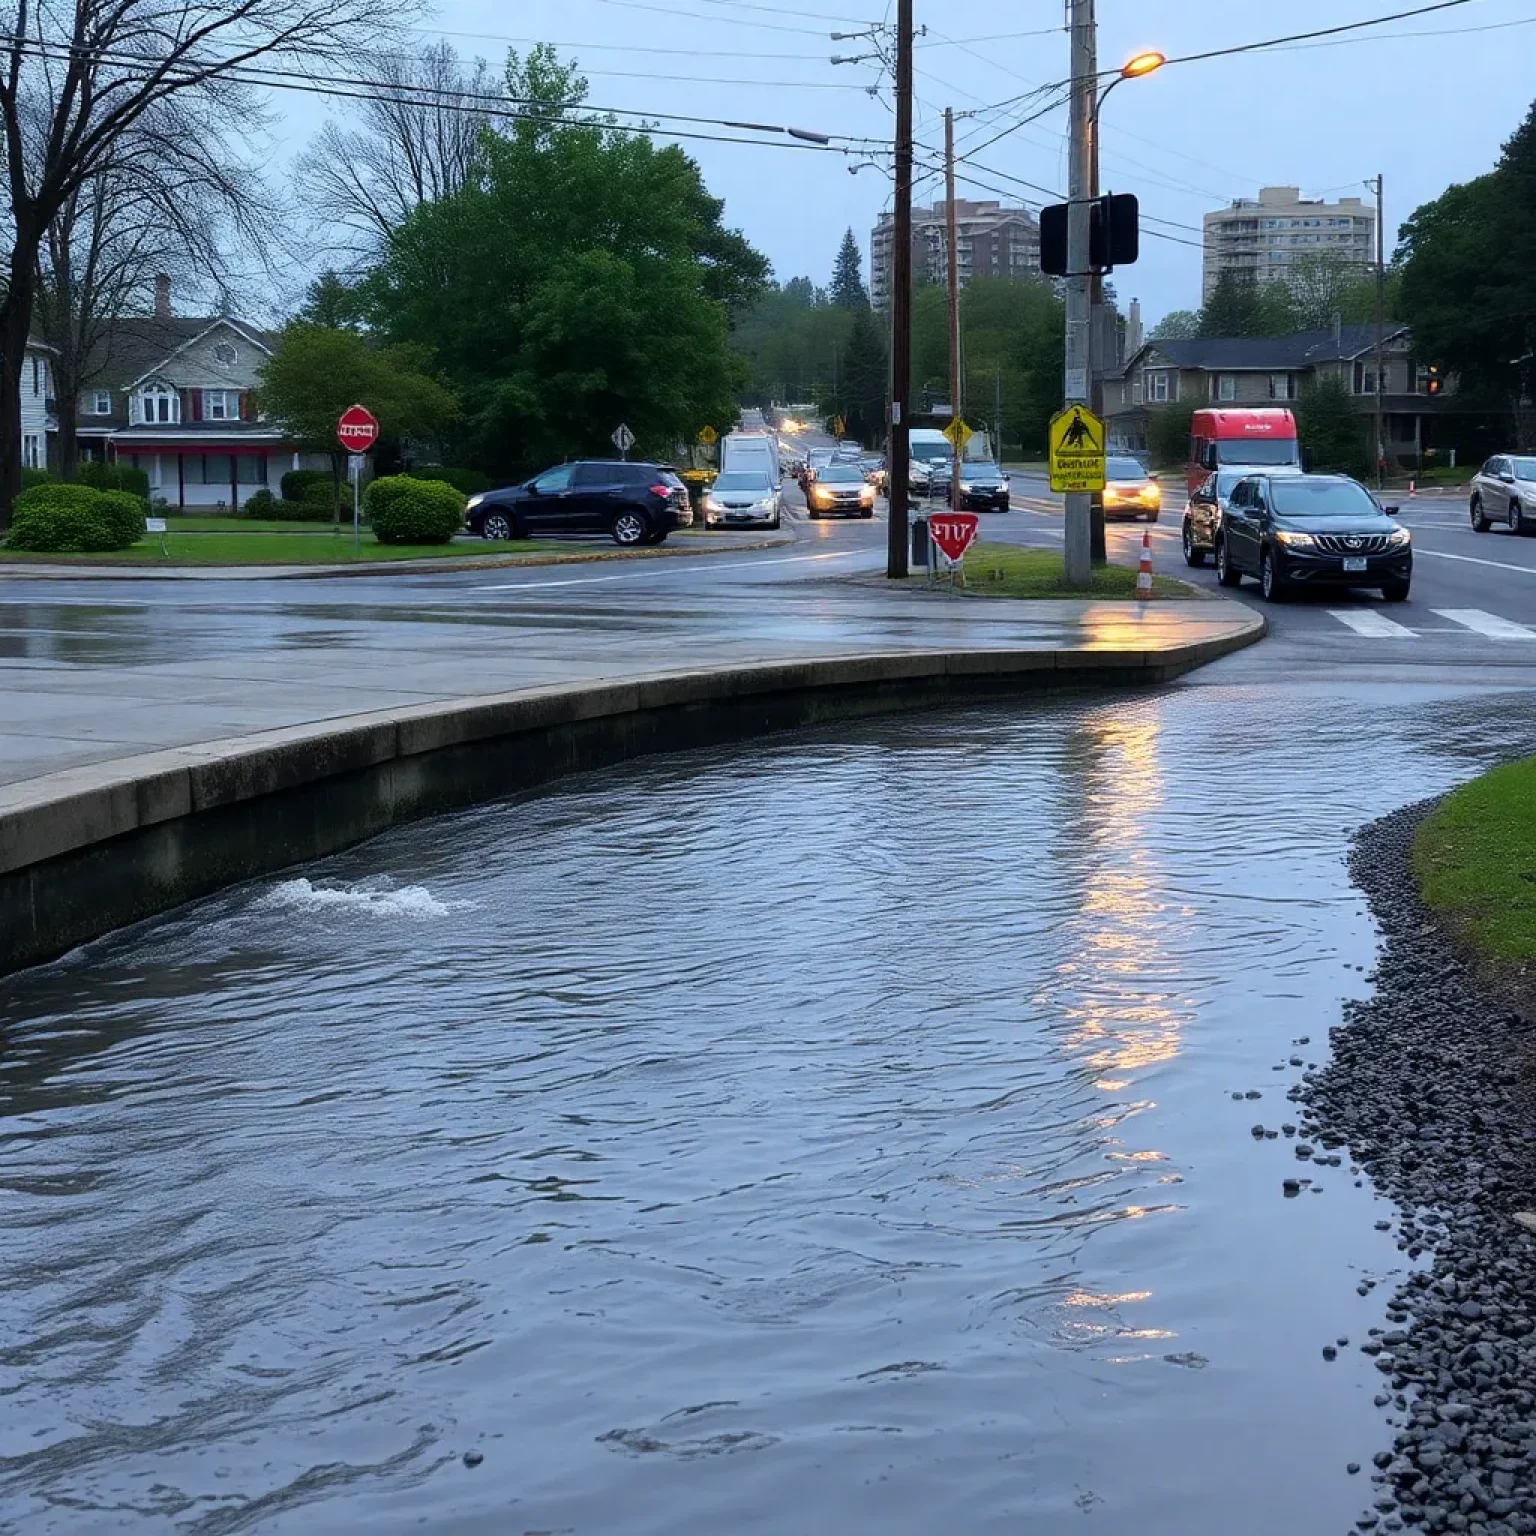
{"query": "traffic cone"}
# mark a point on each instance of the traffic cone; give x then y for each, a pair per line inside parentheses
(1413, 489)
(1144, 570)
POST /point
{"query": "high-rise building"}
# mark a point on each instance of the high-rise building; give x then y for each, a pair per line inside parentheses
(990, 241)
(1263, 238)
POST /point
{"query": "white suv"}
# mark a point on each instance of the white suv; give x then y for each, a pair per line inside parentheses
(1504, 491)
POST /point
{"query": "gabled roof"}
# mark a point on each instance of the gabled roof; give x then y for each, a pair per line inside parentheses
(1264, 354)
(136, 346)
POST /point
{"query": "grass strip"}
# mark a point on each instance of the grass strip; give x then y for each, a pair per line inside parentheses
(1008, 570)
(278, 549)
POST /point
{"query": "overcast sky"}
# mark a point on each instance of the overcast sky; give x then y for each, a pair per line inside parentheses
(1424, 101)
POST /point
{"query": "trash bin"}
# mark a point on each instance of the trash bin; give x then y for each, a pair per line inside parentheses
(920, 542)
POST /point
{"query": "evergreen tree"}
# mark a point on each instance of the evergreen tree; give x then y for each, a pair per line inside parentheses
(848, 290)
(1239, 306)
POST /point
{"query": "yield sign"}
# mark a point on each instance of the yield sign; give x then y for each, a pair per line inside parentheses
(953, 532)
(358, 429)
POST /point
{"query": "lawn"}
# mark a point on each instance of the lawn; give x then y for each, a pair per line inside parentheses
(1006, 570)
(178, 522)
(281, 549)
(1475, 860)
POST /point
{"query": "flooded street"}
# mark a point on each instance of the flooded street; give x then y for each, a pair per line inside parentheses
(849, 1132)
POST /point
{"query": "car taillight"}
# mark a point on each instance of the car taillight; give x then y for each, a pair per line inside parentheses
(663, 491)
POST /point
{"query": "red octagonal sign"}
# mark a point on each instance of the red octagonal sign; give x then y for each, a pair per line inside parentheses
(358, 429)
(953, 532)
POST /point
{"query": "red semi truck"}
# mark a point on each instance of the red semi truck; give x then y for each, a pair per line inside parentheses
(1220, 439)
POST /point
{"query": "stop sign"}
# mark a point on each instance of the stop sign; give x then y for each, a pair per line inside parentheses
(953, 532)
(358, 429)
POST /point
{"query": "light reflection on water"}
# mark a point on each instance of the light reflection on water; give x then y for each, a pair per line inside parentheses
(830, 1136)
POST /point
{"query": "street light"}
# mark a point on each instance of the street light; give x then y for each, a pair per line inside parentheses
(1133, 69)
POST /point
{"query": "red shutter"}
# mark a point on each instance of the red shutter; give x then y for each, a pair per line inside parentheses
(197, 403)
(246, 413)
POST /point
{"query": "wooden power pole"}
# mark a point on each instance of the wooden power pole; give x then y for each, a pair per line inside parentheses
(901, 304)
(1381, 323)
(954, 301)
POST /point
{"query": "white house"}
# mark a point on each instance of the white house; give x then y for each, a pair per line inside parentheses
(36, 405)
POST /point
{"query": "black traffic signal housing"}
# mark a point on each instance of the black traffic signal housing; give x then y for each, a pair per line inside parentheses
(1114, 235)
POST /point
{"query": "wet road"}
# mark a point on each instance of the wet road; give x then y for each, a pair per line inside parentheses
(835, 1135)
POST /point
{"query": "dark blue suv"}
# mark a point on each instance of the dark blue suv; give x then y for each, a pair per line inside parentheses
(631, 503)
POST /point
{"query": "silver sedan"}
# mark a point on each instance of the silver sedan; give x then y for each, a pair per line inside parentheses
(1504, 491)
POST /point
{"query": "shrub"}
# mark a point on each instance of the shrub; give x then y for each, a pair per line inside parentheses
(404, 510)
(31, 477)
(123, 513)
(470, 482)
(318, 503)
(102, 476)
(296, 483)
(262, 503)
(68, 519)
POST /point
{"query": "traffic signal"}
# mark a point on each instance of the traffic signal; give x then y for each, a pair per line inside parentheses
(1114, 235)
(1433, 382)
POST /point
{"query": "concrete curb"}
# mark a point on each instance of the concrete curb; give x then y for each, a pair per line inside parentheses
(105, 571)
(90, 849)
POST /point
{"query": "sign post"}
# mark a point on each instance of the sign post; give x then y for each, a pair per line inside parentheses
(959, 435)
(623, 439)
(357, 432)
(1076, 450)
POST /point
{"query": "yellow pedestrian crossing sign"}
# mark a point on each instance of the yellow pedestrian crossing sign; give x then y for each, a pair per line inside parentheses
(958, 434)
(1077, 450)
(708, 436)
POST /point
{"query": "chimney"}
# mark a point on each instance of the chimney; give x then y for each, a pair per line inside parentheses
(162, 297)
(1133, 329)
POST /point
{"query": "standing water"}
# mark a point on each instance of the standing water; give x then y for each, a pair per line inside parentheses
(848, 1133)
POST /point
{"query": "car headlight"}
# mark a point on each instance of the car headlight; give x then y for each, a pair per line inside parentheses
(766, 505)
(1295, 540)
(1399, 537)
(711, 505)
(473, 502)
(965, 485)
(1151, 492)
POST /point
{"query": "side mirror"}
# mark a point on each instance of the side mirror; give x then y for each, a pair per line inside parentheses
(1392, 511)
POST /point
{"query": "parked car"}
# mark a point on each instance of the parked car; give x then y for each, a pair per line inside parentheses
(1202, 515)
(841, 488)
(631, 503)
(983, 487)
(873, 465)
(1129, 491)
(1504, 491)
(743, 496)
(1296, 531)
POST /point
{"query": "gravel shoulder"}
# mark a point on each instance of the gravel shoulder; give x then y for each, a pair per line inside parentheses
(1430, 1089)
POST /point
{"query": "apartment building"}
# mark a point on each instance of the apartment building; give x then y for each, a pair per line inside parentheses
(1261, 238)
(990, 241)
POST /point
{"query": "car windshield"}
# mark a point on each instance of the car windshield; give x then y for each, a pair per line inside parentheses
(1525, 469)
(821, 456)
(739, 480)
(980, 470)
(842, 474)
(1278, 450)
(1124, 469)
(1320, 498)
(931, 452)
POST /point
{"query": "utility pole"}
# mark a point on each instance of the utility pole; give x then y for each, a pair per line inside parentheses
(954, 302)
(997, 421)
(1079, 519)
(1099, 541)
(901, 304)
(1381, 322)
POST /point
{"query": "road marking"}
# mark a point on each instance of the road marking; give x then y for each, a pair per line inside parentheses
(670, 570)
(1373, 625)
(1489, 624)
(1498, 565)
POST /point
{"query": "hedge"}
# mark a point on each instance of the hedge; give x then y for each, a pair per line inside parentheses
(116, 476)
(31, 477)
(468, 481)
(403, 510)
(262, 503)
(296, 482)
(75, 519)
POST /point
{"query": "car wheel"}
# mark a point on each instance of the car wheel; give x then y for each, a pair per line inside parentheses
(1480, 523)
(866, 511)
(813, 514)
(497, 525)
(1274, 585)
(1226, 573)
(1516, 518)
(777, 520)
(1395, 591)
(1152, 517)
(1192, 556)
(630, 528)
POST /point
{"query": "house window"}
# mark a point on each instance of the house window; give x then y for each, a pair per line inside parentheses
(1224, 386)
(36, 390)
(1136, 390)
(32, 451)
(251, 469)
(101, 402)
(221, 405)
(1365, 379)
(1282, 386)
(157, 404)
(1158, 391)
(225, 353)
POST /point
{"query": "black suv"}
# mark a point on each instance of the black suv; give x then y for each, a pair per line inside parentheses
(1296, 531)
(983, 487)
(631, 503)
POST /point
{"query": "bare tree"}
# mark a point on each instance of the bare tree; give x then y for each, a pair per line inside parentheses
(415, 141)
(85, 85)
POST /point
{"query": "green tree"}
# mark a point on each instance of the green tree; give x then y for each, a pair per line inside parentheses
(1468, 263)
(581, 277)
(330, 304)
(1332, 433)
(317, 372)
(1176, 325)
(791, 341)
(1168, 433)
(848, 290)
(1239, 306)
(860, 395)
(1326, 284)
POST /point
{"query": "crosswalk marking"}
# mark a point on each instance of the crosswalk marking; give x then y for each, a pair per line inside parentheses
(1375, 625)
(1489, 624)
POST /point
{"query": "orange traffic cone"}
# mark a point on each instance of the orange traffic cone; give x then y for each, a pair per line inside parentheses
(1413, 489)
(1144, 570)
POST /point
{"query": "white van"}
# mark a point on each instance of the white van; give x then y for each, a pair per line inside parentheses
(757, 451)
